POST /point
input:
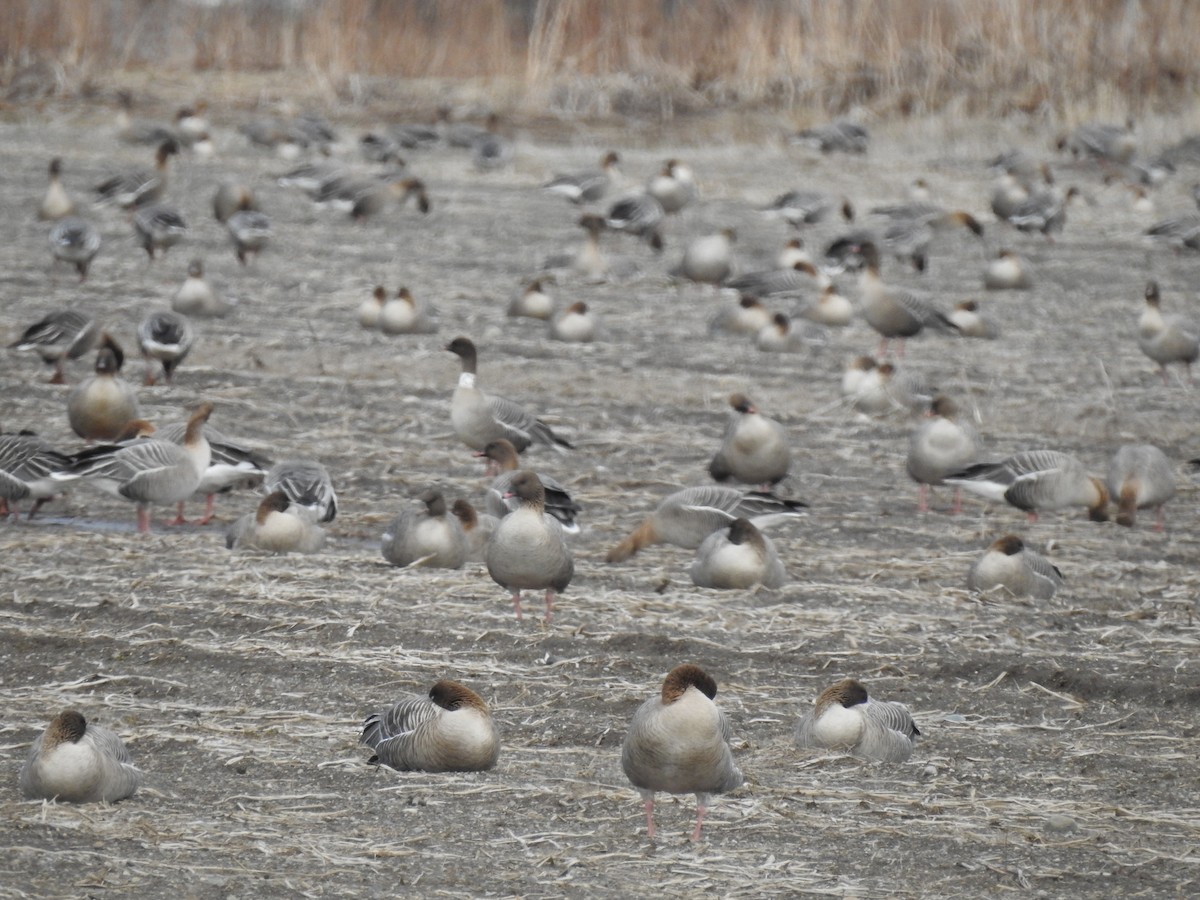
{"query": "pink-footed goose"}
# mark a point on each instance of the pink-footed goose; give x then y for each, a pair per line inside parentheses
(687, 517)
(1009, 565)
(275, 528)
(737, 557)
(1037, 481)
(449, 730)
(505, 462)
(479, 418)
(940, 446)
(845, 718)
(754, 449)
(528, 550)
(680, 742)
(78, 762)
(429, 537)
(1140, 477)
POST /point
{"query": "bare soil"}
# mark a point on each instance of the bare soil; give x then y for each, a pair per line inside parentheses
(1060, 752)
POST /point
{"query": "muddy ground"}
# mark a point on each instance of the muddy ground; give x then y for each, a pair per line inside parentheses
(1060, 752)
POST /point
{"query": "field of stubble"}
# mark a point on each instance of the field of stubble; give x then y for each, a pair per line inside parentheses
(1061, 745)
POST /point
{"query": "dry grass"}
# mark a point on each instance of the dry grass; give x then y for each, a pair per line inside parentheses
(653, 57)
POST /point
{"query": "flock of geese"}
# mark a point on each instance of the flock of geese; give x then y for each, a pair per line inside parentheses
(679, 741)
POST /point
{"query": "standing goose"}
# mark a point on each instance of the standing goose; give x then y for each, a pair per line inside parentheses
(574, 325)
(528, 550)
(232, 465)
(27, 464)
(845, 718)
(680, 742)
(502, 456)
(431, 537)
(1036, 481)
(1166, 339)
(196, 297)
(78, 763)
(736, 558)
(56, 203)
(100, 408)
(587, 186)
(687, 517)
(640, 215)
(250, 231)
(478, 528)
(274, 527)
(893, 312)
(149, 471)
(1140, 477)
(140, 187)
(159, 228)
(754, 449)
(449, 730)
(165, 338)
(308, 485)
(479, 419)
(941, 446)
(59, 336)
(1010, 565)
(76, 241)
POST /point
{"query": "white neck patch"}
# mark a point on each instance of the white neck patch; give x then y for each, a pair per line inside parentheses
(466, 380)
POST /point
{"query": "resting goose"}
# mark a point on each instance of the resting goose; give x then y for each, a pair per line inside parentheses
(532, 302)
(1140, 477)
(674, 187)
(687, 517)
(845, 718)
(778, 336)
(841, 136)
(503, 459)
(754, 450)
(708, 259)
(802, 207)
(939, 447)
(478, 528)
(1010, 565)
(76, 241)
(574, 325)
(165, 339)
(971, 323)
(1037, 481)
(478, 419)
(196, 297)
(431, 537)
(78, 762)
(449, 730)
(403, 315)
(738, 557)
(100, 407)
(528, 550)
(274, 527)
(680, 742)
(747, 316)
(308, 485)
(1007, 272)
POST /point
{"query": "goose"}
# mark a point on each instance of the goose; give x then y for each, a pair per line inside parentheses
(778, 336)
(191, 125)
(78, 762)
(1166, 339)
(686, 517)
(56, 204)
(431, 537)
(532, 302)
(796, 278)
(490, 151)
(502, 456)
(674, 187)
(879, 389)
(135, 131)
(913, 225)
(1140, 477)
(308, 485)
(528, 550)
(449, 730)
(370, 308)
(165, 338)
(893, 312)
(1181, 232)
(1007, 272)
(801, 207)
(747, 316)
(754, 449)
(478, 419)
(370, 199)
(738, 557)
(100, 407)
(1044, 211)
(196, 297)
(587, 186)
(1009, 192)
(380, 148)
(59, 336)
(846, 718)
(232, 465)
(830, 308)
(148, 471)
(680, 742)
(232, 197)
(140, 187)
(1009, 564)
(708, 259)
(971, 323)
(275, 528)
(574, 325)
(841, 136)
(158, 228)
(76, 241)
(478, 528)
(403, 315)
(250, 231)
(1103, 141)
(941, 446)
(1037, 481)
(793, 252)
(640, 215)
(27, 464)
